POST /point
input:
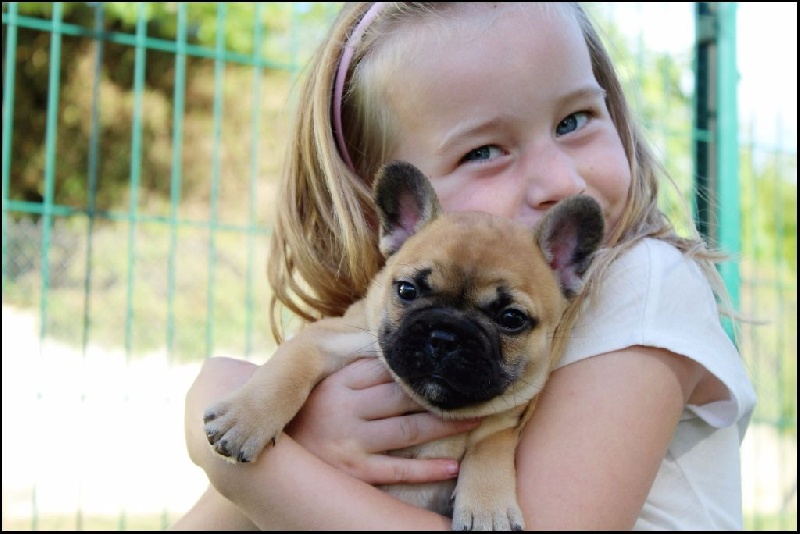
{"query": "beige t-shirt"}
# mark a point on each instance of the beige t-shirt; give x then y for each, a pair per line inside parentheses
(655, 296)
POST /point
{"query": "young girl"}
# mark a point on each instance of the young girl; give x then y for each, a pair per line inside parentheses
(508, 108)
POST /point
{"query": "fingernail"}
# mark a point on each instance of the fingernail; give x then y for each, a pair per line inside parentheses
(452, 469)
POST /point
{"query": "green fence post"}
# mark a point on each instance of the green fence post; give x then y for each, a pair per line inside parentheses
(10, 49)
(729, 210)
(716, 138)
(704, 119)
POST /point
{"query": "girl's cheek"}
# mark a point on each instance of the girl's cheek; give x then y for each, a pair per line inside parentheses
(488, 200)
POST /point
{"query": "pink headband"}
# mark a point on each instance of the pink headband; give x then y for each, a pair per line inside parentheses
(341, 76)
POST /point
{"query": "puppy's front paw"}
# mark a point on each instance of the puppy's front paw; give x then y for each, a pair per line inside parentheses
(466, 517)
(237, 432)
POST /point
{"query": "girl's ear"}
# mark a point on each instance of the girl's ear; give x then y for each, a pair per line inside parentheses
(406, 202)
(568, 235)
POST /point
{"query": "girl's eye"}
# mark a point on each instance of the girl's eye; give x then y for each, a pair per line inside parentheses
(484, 153)
(572, 123)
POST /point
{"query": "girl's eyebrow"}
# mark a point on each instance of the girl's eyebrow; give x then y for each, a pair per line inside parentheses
(471, 127)
(585, 93)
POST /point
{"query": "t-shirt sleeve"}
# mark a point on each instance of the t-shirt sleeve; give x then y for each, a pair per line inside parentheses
(655, 296)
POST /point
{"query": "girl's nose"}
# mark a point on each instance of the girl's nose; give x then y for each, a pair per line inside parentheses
(551, 176)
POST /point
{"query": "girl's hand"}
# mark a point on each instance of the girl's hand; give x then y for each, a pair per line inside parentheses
(358, 413)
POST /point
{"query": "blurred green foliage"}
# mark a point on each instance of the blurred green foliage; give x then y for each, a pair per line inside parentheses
(239, 21)
(286, 33)
(268, 43)
(767, 183)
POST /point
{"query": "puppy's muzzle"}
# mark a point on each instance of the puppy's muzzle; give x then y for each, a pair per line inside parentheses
(447, 357)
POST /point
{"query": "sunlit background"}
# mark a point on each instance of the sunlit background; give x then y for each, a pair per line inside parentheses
(102, 335)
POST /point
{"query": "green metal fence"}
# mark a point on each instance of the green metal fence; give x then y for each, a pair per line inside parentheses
(140, 147)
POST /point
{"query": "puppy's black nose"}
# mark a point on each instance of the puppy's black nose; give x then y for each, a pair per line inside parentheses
(443, 342)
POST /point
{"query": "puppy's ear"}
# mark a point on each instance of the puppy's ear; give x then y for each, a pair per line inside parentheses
(406, 202)
(569, 234)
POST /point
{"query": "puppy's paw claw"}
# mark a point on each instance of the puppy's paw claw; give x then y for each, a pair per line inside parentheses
(497, 519)
(234, 433)
(209, 416)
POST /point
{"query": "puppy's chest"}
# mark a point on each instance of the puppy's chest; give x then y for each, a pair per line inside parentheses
(448, 447)
(434, 496)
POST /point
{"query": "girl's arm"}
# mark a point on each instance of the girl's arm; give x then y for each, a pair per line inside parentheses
(591, 451)
(288, 488)
(587, 459)
(213, 512)
(370, 415)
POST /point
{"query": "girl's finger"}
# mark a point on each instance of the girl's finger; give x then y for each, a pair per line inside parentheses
(363, 373)
(412, 429)
(385, 400)
(385, 469)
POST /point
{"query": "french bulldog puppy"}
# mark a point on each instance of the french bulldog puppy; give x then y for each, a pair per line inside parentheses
(462, 314)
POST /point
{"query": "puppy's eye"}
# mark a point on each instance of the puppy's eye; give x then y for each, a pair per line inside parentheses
(406, 291)
(513, 319)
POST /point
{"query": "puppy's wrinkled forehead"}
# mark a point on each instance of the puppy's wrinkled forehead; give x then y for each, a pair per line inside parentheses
(461, 285)
(469, 256)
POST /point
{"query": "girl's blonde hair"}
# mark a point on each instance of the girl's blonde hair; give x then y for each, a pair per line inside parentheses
(323, 251)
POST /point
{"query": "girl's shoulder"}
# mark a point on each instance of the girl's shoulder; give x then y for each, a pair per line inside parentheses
(654, 295)
(651, 290)
(653, 262)
(652, 286)
(652, 279)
